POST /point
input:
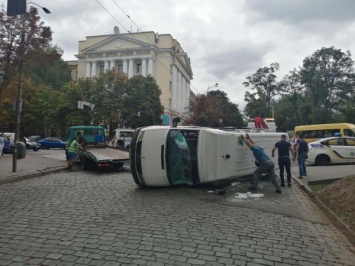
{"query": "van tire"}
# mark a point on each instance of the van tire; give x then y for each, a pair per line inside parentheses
(84, 163)
(322, 160)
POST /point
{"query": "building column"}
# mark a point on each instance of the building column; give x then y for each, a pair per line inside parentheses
(183, 94)
(93, 69)
(179, 90)
(174, 89)
(112, 64)
(88, 69)
(107, 65)
(150, 66)
(130, 68)
(125, 66)
(187, 95)
(144, 67)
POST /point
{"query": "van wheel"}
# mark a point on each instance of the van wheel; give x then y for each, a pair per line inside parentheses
(322, 160)
(84, 163)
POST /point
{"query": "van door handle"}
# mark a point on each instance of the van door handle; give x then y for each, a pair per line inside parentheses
(162, 156)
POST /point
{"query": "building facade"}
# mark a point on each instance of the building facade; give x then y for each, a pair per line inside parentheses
(140, 53)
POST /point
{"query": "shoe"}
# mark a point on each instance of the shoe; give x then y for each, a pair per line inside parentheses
(300, 177)
(252, 188)
(69, 167)
(305, 174)
(288, 184)
(282, 184)
(278, 191)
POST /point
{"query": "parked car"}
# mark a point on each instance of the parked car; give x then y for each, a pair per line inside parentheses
(8, 145)
(34, 145)
(52, 143)
(35, 138)
(333, 150)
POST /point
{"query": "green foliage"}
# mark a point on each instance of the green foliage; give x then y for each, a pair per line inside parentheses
(214, 110)
(264, 82)
(320, 91)
(47, 67)
(141, 103)
(21, 35)
(328, 79)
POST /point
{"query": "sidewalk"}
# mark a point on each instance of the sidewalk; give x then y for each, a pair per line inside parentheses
(34, 164)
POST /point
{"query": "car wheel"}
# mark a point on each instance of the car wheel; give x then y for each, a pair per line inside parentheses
(120, 144)
(35, 148)
(322, 160)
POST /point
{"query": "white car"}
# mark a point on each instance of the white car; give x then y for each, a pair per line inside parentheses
(332, 150)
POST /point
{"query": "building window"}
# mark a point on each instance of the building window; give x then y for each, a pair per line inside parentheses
(139, 68)
(101, 68)
(120, 68)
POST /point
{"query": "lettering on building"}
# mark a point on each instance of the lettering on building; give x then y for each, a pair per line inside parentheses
(116, 53)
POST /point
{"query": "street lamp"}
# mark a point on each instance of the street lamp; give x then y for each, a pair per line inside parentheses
(213, 86)
(43, 8)
(19, 87)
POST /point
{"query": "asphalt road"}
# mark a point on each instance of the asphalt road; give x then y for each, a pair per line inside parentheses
(103, 218)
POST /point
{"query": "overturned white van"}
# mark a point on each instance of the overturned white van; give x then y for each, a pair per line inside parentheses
(169, 156)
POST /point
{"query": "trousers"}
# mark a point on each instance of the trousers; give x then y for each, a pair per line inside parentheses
(285, 163)
(269, 167)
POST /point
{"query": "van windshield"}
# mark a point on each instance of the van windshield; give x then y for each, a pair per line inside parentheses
(178, 159)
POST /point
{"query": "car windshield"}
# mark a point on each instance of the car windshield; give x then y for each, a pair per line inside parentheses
(181, 168)
(34, 138)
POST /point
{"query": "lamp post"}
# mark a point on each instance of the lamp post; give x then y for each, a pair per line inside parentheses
(213, 86)
(43, 8)
(19, 87)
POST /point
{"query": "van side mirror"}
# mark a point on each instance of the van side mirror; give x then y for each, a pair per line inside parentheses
(176, 120)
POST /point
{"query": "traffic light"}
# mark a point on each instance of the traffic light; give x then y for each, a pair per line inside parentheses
(16, 7)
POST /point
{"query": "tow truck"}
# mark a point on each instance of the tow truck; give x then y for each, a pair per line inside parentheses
(96, 153)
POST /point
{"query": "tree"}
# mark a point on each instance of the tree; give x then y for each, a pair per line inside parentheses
(47, 67)
(141, 103)
(19, 35)
(214, 110)
(328, 80)
(106, 91)
(265, 84)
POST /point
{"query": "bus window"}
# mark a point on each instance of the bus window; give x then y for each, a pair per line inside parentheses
(349, 133)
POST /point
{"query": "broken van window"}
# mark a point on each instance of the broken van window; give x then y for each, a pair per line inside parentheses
(178, 158)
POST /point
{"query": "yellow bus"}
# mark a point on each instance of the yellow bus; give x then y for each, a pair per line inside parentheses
(314, 132)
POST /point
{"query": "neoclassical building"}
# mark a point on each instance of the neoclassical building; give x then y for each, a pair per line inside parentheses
(140, 53)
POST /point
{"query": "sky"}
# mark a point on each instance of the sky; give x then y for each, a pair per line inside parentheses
(226, 40)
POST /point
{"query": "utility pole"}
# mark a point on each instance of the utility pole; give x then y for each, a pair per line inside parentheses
(14, 8)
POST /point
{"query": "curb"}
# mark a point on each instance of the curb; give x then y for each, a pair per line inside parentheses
(329, 213)
(39, 173)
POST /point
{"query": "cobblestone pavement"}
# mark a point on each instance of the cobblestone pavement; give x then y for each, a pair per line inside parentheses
(90, 218)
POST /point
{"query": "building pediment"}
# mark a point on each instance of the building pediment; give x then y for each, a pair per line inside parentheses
(118, 43)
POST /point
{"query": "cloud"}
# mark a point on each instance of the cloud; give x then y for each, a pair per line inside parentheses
(301, 11)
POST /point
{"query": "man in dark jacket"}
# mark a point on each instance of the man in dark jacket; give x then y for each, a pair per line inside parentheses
(302, 155)
(284, 147)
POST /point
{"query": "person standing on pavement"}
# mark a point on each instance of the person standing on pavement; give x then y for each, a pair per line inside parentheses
(302, 155)
(284, 148)
(265, 165)
(73, 150)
